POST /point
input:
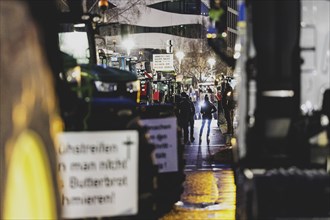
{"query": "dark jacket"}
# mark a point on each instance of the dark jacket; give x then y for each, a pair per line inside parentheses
(207, 109)
(185, 110)
(228, 101)
(192, 109)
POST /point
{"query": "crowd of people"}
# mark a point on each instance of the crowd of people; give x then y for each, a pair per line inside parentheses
(187, 111)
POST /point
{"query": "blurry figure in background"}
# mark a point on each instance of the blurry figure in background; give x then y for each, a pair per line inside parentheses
(228, 106)
(191, 91)
(209, 90)
(184, 115)
(167, 98)
(192, 119)
(161, 96)
(197, 95)
(221, 118)
(207, 110)
(223, 84)
(156, 96)
(177, 100)
(326, 109)
(219, 99)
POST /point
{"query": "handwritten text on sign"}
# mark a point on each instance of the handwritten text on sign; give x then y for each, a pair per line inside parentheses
(162, 62)
(99, 173)
(163, 133)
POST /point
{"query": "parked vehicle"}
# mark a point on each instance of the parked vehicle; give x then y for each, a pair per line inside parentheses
(279, 152)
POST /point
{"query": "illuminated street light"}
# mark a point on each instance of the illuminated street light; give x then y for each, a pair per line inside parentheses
(180, 56)
(128, 44)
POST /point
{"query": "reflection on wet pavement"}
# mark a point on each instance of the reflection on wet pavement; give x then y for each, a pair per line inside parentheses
(209, 188)
(208, 194)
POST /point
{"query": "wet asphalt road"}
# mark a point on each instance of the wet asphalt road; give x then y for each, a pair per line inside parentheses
(209, 188)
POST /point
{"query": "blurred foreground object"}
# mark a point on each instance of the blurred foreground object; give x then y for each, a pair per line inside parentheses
(29, 119)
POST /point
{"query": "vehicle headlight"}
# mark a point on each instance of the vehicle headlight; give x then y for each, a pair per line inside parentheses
(133, 86)
(73, 75)
(105, 86)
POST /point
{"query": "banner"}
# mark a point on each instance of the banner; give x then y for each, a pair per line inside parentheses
(162, 62)
(163, 134)
(99, 173)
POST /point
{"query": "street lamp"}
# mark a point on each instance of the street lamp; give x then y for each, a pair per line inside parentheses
(211, 61)
(180, 56)
(128, 44)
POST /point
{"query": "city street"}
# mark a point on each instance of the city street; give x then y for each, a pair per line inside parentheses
(95, 95)
(198, 154)
(209, 189)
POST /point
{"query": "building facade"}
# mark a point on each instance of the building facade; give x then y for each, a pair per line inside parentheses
(155, 25)
(152, 23)
(232, 17)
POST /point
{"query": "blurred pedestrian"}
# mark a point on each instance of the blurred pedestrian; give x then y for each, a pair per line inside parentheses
(219, 99)
(184, 115)
(192, 120)
(228, 105)
(207, 109)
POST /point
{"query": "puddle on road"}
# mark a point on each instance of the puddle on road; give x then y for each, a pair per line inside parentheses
(208, 194)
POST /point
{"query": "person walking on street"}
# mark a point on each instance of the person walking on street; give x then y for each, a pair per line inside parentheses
(219, 105)
(192, 120)
(228, 106)
(184, 115)
(207, 110)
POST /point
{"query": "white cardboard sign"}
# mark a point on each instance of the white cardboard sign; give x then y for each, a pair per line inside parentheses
(163, 134)
(99, 173)
(162, 62)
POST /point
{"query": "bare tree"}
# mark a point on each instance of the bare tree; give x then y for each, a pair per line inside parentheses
(196, 65)
(123, 7)
(114, 13)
